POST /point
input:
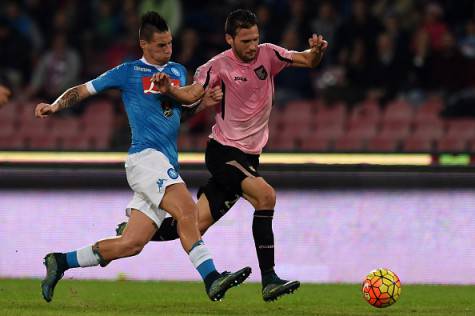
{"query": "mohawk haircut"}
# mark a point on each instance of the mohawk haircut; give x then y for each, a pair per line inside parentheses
(152, 22)
(239, 19)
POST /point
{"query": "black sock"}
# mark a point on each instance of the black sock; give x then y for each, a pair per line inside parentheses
(167, 231)
(210, 278)
(264, 240)
(268, 277)
(61, 261)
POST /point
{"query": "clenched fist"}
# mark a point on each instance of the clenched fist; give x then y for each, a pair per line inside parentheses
(43, 110)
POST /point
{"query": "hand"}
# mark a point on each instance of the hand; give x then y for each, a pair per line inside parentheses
(162, 81)
(212, 96)
(4, 94)
(317, 44)
(42, 110)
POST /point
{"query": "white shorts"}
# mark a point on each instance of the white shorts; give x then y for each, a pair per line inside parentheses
(149, 172)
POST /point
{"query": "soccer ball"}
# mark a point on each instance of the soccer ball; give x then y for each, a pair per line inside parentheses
(381, 288)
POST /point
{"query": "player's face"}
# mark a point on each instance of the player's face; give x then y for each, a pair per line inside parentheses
(245, 43)
(159, 49)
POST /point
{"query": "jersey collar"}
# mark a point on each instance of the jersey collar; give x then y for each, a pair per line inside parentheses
(159, 68)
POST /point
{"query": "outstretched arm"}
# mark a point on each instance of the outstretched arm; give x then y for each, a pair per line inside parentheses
(311, 57)
(186, 95)
(68, 98)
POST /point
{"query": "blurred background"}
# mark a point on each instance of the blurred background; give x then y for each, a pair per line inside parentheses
(398, 78)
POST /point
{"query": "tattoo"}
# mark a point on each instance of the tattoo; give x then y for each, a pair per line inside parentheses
(70, 97)
(95, 250)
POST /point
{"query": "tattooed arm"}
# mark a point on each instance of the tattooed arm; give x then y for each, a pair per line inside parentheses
(68, 98)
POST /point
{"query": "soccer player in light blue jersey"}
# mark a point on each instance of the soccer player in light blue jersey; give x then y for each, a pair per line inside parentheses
(151, 166)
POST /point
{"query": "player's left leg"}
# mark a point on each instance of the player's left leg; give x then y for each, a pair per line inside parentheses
(262, 196)
(141, 229)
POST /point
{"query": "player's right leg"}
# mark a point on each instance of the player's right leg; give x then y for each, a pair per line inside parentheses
(233, 169)
(262, 196)
(140, 229)
(177, 202)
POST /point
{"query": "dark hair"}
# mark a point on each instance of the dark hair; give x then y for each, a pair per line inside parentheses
(239, 19)
(152, 22)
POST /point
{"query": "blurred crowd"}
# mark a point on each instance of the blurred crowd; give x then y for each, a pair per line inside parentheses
(381, 49)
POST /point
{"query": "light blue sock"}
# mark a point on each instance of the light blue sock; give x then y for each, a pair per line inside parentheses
(201, 259)
(206, 268)
(72, 259)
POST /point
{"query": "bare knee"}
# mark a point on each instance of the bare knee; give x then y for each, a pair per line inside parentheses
(187, 215)
(265, 200)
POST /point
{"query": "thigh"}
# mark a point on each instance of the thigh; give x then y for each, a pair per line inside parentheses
(229, 166)
(177, 201)
(215, 201)
(149, 172)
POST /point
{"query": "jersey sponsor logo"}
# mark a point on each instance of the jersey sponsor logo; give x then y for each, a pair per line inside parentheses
(142, 69)
(172, 173)
(237, 78)
(175, 71)
(261, 72)
(149, 87)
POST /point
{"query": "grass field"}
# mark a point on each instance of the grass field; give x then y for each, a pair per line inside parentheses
(22, 297)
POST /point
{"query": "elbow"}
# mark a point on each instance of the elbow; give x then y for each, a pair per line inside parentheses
(82, 90)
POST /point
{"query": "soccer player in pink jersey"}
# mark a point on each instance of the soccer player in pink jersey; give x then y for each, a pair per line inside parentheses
(245, 74)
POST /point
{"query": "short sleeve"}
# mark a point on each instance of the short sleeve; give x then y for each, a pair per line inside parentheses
(183, 75)
(206, 75)
(113, 78)
(279, 57)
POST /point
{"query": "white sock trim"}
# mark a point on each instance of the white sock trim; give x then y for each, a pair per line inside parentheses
(198, 255)
(86, 257)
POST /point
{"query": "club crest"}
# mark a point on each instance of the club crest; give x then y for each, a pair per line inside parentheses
(261, 72)
(172, 173)
(167, 108)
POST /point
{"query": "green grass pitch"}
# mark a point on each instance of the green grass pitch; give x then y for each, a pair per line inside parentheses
(22, 297)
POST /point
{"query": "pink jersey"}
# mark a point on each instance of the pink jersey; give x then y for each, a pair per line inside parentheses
(242, 117)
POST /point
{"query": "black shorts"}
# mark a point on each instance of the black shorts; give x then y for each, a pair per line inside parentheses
(229, 166)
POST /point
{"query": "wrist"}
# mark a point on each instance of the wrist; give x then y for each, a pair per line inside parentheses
(54, 107)
(171, 91)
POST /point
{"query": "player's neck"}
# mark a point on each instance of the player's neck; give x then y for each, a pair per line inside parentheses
(153, 62)
(239, 59)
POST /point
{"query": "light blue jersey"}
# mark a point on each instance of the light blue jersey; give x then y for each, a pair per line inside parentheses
(154, 119)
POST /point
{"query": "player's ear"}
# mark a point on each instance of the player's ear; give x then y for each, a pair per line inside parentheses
(229, 39)
(143, 43)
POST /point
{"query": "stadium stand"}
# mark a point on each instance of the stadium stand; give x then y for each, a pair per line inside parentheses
(387, 92)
